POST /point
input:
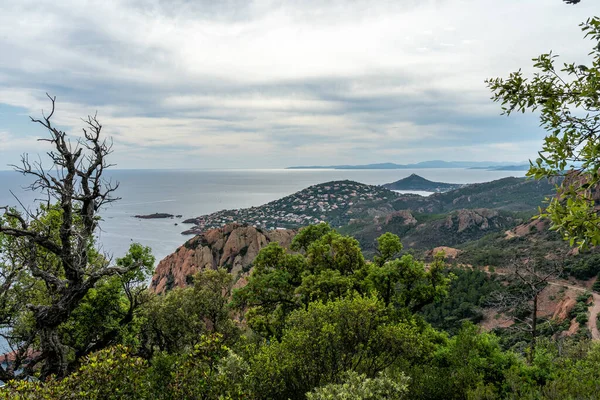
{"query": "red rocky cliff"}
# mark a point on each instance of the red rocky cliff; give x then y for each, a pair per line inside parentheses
(233, 247)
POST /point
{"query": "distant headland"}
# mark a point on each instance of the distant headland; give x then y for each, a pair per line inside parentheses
(487, 165)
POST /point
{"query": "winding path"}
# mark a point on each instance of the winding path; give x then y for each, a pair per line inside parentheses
(594, 309)
(592, 322)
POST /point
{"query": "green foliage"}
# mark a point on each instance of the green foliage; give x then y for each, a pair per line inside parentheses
(333, 267)
(585, 267)
(106, 314)
(582, 317)
(573, 374)
(322, 324)
(470, 359)
(110, 374)
(359, 387)
(569, 105)
(580, 310)
(596, 285)
(210, 371)
(389, 247)
(308, 235)
(269, 295)
(322, 342)
(176, 321)
(467, 295)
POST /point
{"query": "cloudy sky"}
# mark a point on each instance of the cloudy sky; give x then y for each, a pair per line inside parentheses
(267, 84)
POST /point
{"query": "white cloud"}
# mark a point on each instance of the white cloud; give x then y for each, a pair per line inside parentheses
(277, 83)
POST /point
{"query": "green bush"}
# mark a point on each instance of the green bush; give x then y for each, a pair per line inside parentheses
(112, 373)
(596, 285)
(582, 318)
(359, 387)
(585, 268)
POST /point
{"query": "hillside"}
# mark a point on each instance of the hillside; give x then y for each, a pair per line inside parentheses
(336, 202)
(426, 231)
(514, 194)
(416, 182)
(340, 203)
(509, 194)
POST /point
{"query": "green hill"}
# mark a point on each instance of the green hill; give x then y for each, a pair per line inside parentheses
(416, 182)
(426, 231)
(336, 202)
(509, 194)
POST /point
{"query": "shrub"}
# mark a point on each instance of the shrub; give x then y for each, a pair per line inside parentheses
(112, 373)
(359, 387)
(582, 318)
(596, 285)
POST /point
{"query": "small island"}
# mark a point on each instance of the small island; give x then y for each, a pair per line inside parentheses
(154, 216)
(416, 182)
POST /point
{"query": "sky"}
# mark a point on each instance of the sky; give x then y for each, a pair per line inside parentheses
(270, 84)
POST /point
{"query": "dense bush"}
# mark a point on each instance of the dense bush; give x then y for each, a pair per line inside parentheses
(359, 387)
(466, 298)
(323, 324)
(584, 268)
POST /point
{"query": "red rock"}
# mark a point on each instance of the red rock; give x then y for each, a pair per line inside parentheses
(233, 247)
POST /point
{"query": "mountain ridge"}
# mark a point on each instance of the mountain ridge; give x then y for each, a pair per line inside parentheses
(419, 165)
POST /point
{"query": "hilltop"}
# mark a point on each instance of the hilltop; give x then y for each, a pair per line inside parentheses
(416, 182)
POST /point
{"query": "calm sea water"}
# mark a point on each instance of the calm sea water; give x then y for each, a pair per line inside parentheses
(191, 193)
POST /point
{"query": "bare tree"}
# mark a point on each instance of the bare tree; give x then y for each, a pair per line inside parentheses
(521, 300)
(62, 257)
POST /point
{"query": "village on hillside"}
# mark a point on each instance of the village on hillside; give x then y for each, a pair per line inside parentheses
(319, 203)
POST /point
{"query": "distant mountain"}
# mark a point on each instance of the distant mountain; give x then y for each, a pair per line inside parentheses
(523, 167)
(416, 182)
(423, 164)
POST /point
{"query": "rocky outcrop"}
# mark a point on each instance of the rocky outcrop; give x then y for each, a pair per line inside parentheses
(480, 218)
(404, 215)
(563, 309)
(449, 252)
(531, 227)
(233, 247)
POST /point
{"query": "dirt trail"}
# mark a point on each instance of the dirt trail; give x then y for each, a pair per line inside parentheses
(592, 322)
(594, 309)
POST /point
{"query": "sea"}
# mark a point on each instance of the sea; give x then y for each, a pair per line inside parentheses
(191, 193)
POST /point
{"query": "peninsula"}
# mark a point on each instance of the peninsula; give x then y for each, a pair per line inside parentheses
(335, 202)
